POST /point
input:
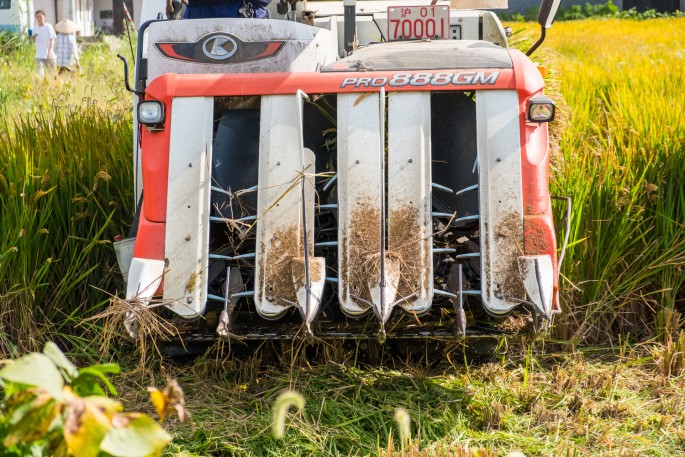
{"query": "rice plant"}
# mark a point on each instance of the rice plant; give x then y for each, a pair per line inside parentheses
(65, 191)
(621, 159)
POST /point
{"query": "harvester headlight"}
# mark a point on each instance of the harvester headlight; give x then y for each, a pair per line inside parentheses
(541, 109)
(151, 113)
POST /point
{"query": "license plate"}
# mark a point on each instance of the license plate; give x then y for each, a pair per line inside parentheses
(418, 22)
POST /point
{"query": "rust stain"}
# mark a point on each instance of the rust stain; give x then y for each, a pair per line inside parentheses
(192, 282)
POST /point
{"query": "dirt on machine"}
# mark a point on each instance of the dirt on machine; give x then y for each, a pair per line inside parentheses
(341, 170)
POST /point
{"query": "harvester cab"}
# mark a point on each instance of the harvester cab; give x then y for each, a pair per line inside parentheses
(342, 170)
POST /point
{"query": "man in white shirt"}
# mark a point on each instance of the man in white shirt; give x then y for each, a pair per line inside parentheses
(44, 37)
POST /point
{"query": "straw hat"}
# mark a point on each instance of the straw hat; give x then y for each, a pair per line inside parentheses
(66, 26)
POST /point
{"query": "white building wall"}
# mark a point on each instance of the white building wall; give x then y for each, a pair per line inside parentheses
(79, 11)
(50, 11)
(103, 14)
(83, 15)
(65, 10)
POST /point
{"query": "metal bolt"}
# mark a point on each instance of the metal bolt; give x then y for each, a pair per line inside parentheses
(189, 300)
(190, 165)
(278, 164)
(410, 160)
(188, 238)
(498, 160)
(356, 161)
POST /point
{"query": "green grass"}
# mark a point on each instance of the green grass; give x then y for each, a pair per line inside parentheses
(555, 405)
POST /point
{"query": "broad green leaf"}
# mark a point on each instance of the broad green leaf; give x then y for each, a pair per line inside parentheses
(85, 386)
(34, 423)
(35, 370)
(85, 426)
(59, 359)
(135, 435)
(94, 372)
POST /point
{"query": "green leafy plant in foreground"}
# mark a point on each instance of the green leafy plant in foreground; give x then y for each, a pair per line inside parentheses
(51, 407)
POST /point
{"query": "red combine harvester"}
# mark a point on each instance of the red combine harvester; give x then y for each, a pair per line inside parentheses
(352, 170)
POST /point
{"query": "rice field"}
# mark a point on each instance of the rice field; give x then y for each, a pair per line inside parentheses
(620, 158)
(612, 381)
(65, 191)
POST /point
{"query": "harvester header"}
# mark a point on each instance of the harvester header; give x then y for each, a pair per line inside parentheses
(293, 179)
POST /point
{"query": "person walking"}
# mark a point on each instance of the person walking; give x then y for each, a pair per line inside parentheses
(43, 35)
(66, 49)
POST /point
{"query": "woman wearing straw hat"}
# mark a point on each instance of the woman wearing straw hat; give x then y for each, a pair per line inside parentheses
(66, 49)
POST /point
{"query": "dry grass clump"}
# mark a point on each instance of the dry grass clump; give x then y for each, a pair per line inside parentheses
(405, 243)
(276, 273)
(143, 323)
(365, 239)
(403, 253)
(670, 356)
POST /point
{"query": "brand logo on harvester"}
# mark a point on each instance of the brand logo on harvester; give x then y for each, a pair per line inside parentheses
(473, 78)
(219, 47)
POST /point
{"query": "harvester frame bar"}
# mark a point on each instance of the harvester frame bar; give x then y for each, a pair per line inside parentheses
(216, 85)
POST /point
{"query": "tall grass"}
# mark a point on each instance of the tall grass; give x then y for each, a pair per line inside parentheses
(99, 81)
(65, 191)
(621, 158)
